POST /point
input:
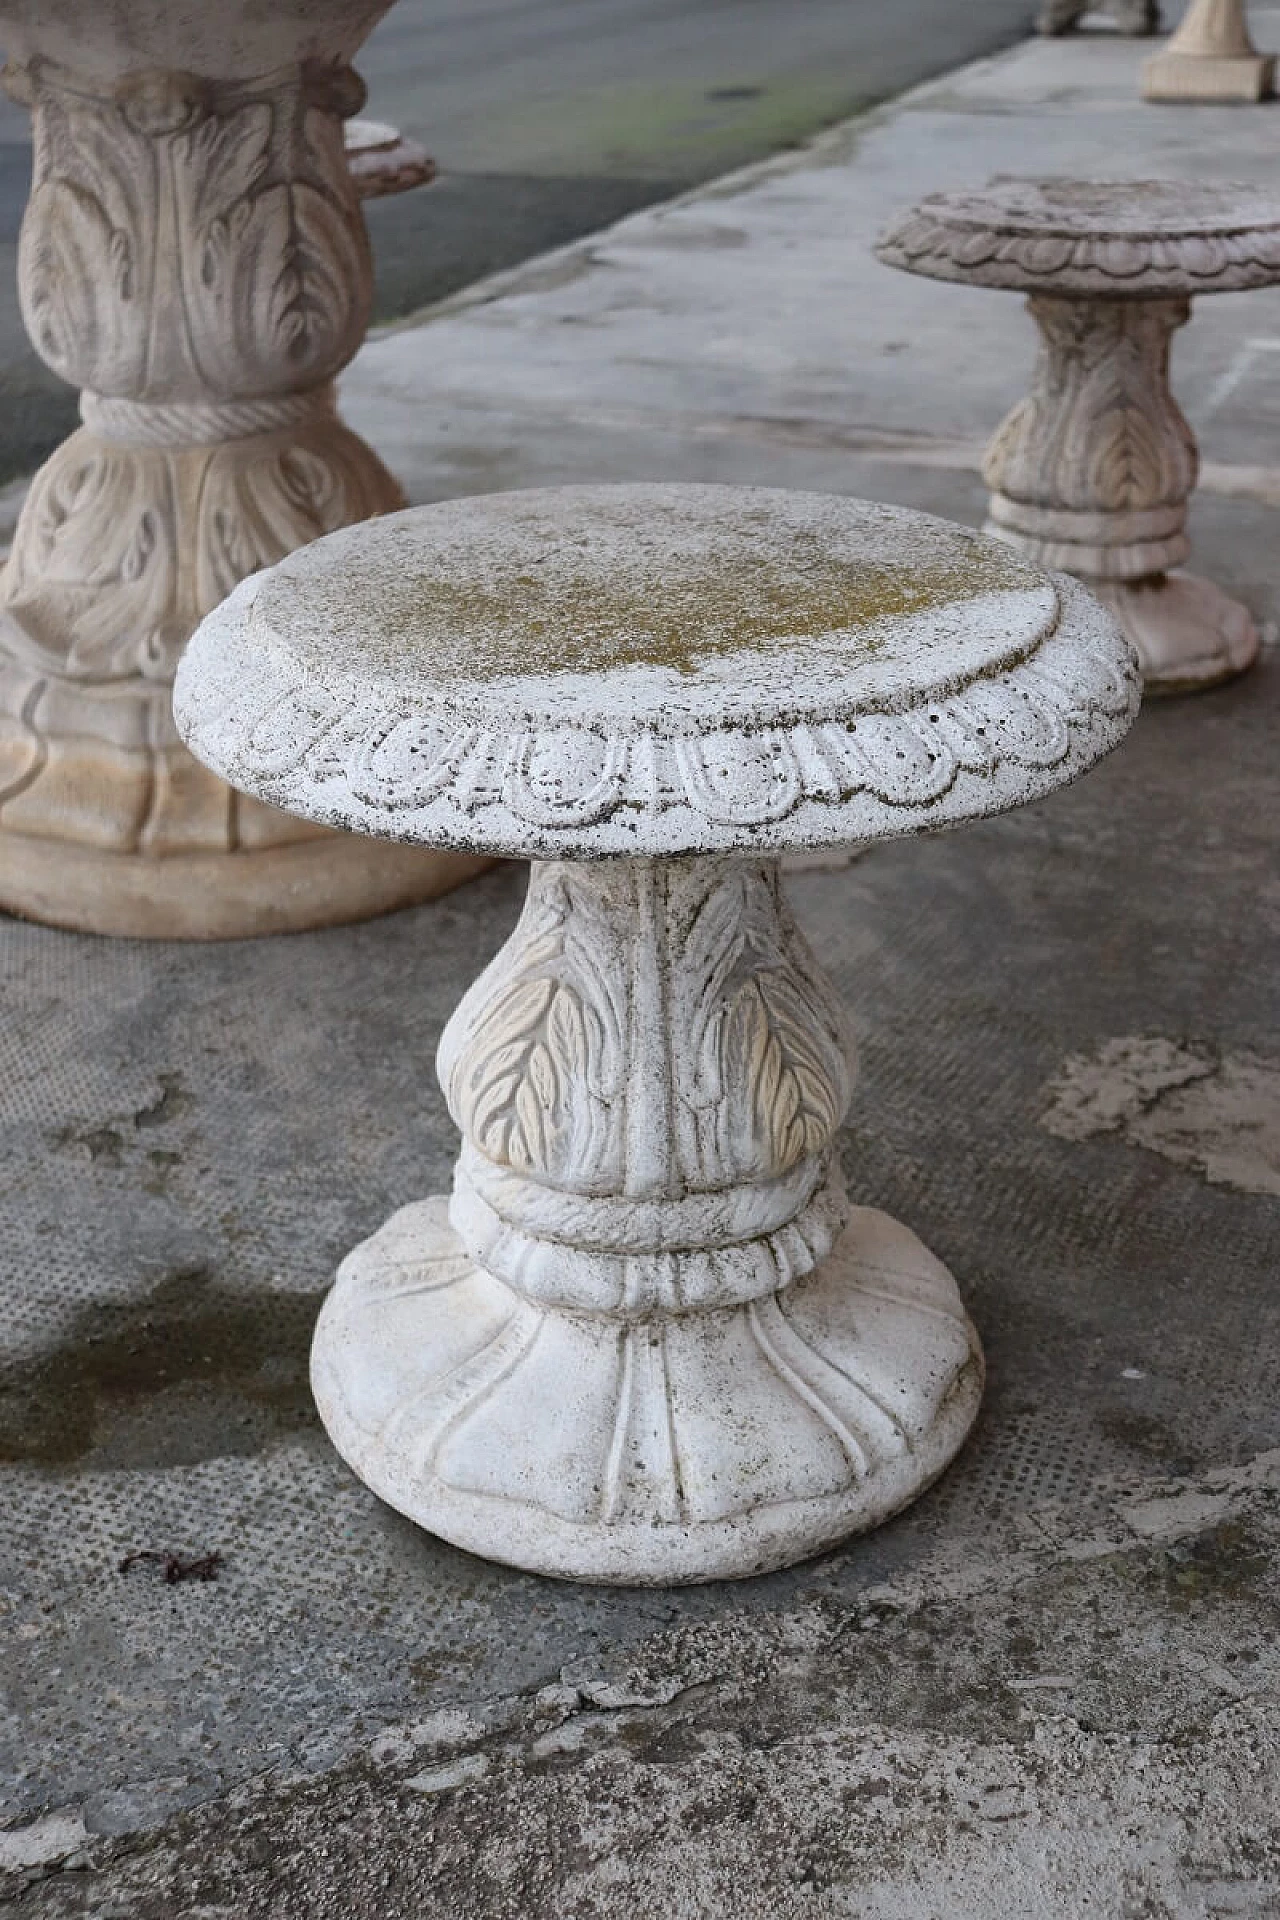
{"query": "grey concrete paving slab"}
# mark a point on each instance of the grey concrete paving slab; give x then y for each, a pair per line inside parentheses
(746, 322)
(1050, 1688)
(549, 119)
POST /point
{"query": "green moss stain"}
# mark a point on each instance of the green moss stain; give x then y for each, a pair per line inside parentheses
(525, 624)
(188, 1333)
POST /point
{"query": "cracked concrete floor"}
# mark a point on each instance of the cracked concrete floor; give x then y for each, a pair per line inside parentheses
(1047, 1690)
(1075, 1725)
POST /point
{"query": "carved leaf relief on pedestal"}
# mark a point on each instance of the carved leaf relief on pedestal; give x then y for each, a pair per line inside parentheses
(764, 1077)
(280, 292)
(536, 1080)
(83, 262)
(767, 1041)
(193, 255)
(1100, 430)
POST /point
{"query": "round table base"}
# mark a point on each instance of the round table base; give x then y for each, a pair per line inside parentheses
(1188, 634)
(318, 882)
(682, 1447)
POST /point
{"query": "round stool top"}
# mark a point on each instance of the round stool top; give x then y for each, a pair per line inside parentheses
(1122, 239)
(585, 671)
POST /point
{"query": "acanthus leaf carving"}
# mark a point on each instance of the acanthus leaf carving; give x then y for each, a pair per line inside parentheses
(769, 1040)
(83, 270)
(120, 549)
(230, 202)
(281, 287)
(534, 1059)
(1100, 431)
(193, 254)
(769, 1078)
(91, 571)
(545, 1076)
(262, 497)
(1094, 467)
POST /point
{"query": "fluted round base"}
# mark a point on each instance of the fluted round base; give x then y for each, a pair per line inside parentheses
(685, 1447)
(1187, 633)
(323, 881)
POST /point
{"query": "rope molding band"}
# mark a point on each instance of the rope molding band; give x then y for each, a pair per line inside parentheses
(142, 423)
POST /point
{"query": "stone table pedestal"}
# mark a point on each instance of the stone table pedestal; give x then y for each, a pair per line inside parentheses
(194, 258)
(1210, 57)
(649, 1338)
(1093, 470)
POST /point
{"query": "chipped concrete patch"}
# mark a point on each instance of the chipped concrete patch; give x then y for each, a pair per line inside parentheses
(46, 1842)
(1217, 1113)
(456, 1773)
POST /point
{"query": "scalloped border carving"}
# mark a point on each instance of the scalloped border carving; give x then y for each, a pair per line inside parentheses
(977, 238)
(433, 774)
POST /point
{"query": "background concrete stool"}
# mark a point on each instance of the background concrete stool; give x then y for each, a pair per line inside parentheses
(193, 255)
(649, 1340)
(383, 161)
(1129, 16)
(1093, 470)
(1210, 57)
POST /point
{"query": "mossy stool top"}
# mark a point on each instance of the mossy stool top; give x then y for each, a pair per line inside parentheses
(1093, 239)
(586, 671)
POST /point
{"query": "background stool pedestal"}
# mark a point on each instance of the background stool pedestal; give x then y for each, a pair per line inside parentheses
(1210, 57)
(649, 1339)
(193, 256)
(1093, 470)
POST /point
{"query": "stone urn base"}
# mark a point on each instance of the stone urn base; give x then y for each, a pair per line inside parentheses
(704, 1446)
(320, 882)
(1186, 631)
(194, 258)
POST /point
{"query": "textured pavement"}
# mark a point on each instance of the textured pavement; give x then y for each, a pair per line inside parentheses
(1050, 1688)
(548, 119)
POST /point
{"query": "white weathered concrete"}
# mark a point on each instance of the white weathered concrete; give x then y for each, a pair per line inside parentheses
(650, 1342)
(1218, 1113)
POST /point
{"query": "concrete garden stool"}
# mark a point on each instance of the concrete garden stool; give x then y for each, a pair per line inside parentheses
(194, 257)
(648, 1339)
(1093, 470)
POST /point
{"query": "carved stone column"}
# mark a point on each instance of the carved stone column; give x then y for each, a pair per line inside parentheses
(1094, 469)
(649, 1338)
(1210, 57)
(194, 258)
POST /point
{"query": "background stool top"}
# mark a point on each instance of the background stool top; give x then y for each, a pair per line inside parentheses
(1125, 239)
(585, 671)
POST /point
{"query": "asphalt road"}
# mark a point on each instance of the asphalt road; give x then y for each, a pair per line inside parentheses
(549, 118)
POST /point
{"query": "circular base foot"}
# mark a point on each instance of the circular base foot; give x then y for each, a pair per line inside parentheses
(1187, 633)
(320, 882)
(699, 1446)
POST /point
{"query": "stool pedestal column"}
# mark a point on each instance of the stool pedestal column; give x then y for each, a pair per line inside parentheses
(1092, 472)
(651, 1341)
